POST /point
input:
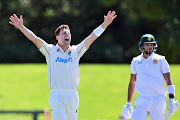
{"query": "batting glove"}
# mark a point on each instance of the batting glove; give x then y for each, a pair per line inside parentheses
(127, 110)
(172, 106)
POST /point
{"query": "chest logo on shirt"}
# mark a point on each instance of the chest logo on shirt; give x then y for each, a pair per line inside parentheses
(140, 62)
(155, 61)
(64, 60)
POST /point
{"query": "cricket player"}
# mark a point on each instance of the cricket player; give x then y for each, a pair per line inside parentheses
(63, 65)
(149, 71)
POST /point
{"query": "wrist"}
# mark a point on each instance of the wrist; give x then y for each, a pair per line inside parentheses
(129, 103)
(171, 99)
(20, 27)
(98, 31)
(104, 25)
(171, 95)
(171, 89)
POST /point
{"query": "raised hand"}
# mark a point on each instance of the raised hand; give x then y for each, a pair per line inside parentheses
(16, 21)
(110, 17)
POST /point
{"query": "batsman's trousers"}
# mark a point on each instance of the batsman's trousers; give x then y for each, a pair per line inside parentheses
(152, 105)
(64, 104)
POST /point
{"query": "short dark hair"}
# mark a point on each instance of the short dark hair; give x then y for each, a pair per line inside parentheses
(57, 31)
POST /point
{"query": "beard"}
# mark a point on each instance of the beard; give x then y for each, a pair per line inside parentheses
(148, 52)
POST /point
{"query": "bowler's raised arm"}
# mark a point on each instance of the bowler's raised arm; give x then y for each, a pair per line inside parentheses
(99, 30)
(18, 23)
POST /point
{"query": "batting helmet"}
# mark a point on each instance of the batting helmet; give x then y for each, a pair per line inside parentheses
(147, 38)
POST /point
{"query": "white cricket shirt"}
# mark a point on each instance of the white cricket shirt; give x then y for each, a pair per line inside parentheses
(63, 67)
(149, 73)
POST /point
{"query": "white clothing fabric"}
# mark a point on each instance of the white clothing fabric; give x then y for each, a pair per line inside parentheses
(64, 104)
(63, 67)
(63, 78)
(149, 74)
(152, 105)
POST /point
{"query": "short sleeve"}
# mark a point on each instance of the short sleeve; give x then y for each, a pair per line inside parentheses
(164, 65)
(81, 49)
(45, 49)
(132, 67)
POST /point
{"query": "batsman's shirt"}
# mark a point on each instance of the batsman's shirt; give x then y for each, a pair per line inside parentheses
(149, 74)
(63, 67)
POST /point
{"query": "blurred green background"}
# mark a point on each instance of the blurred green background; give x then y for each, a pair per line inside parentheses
(118, 44)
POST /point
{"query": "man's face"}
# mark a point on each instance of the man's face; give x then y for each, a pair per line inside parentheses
(148, 47)
(64, 37)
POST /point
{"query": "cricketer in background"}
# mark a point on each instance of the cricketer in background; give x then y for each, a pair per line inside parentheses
(149, 71)
(63, 65)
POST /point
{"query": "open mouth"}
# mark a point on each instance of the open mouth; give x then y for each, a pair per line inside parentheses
(66, 39)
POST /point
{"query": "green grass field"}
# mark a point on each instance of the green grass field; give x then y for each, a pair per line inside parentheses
(102, 90)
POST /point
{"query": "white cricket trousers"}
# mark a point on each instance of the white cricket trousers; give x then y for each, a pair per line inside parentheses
(64, 104)
(152, 105)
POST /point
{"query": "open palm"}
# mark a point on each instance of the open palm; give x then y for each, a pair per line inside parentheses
(16, 21)
(110, 17)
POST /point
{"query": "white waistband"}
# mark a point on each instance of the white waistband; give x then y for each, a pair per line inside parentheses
(64, 90)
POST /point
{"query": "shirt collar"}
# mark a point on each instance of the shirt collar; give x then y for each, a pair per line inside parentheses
(152, 54)
(61, 50)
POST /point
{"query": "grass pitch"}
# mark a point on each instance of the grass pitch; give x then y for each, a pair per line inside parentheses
(102, 90)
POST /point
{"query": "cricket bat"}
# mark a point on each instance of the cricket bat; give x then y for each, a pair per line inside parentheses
(168, 114)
